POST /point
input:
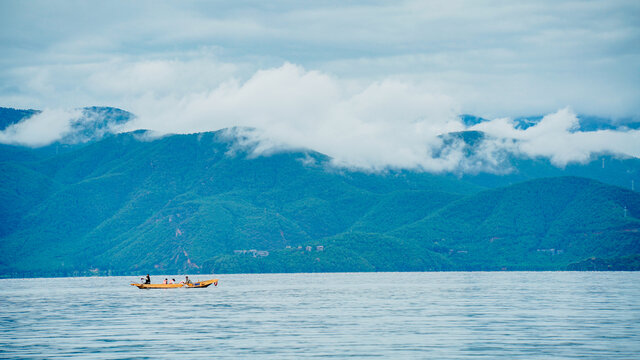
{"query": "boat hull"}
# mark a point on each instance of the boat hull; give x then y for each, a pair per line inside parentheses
(195, 285)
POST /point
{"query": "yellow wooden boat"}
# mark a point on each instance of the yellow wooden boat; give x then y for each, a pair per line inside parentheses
(195, 285)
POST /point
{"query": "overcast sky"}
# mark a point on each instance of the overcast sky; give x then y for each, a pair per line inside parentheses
(496, 58)
(308, 67)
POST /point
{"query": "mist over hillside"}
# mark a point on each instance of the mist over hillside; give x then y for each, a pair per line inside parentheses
(464, 145)
(100, 201)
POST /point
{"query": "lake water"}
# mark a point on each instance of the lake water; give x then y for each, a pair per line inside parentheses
(509, 315)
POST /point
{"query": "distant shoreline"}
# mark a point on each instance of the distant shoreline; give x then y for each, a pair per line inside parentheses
(3, 277)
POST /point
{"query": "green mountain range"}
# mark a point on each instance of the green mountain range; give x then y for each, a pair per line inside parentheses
(199, 203)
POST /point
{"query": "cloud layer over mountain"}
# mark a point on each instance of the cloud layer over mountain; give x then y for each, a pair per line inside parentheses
(374, 85)
(557, 137)
(374, 126)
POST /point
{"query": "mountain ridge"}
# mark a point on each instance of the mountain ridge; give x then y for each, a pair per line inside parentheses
(125, 203)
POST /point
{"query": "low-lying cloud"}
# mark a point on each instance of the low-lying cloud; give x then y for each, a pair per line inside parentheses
(376, 125)
(557, 138)
(65, 126)
(379, 125)
(41, 129)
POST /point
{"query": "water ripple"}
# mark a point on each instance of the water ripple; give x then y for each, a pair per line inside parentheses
(523, 315)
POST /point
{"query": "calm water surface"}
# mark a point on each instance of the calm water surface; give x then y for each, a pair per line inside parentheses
(513, 315)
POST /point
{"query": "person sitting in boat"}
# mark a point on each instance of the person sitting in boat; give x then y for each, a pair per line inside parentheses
(172, 281)
(187, 281)
(165, 282)
(148, 280)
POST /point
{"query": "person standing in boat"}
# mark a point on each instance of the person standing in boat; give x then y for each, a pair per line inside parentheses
(148, 280)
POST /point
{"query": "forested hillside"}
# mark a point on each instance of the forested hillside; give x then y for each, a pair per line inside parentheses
(128, 203)
(125, 203)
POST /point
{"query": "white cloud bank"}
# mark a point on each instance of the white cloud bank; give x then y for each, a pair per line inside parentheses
(374, 125)
(66, 126)
(557, 138)
(40, 129)
(368, 125)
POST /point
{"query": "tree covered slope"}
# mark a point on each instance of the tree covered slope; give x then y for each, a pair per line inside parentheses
(125, 203)
(129, 203)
